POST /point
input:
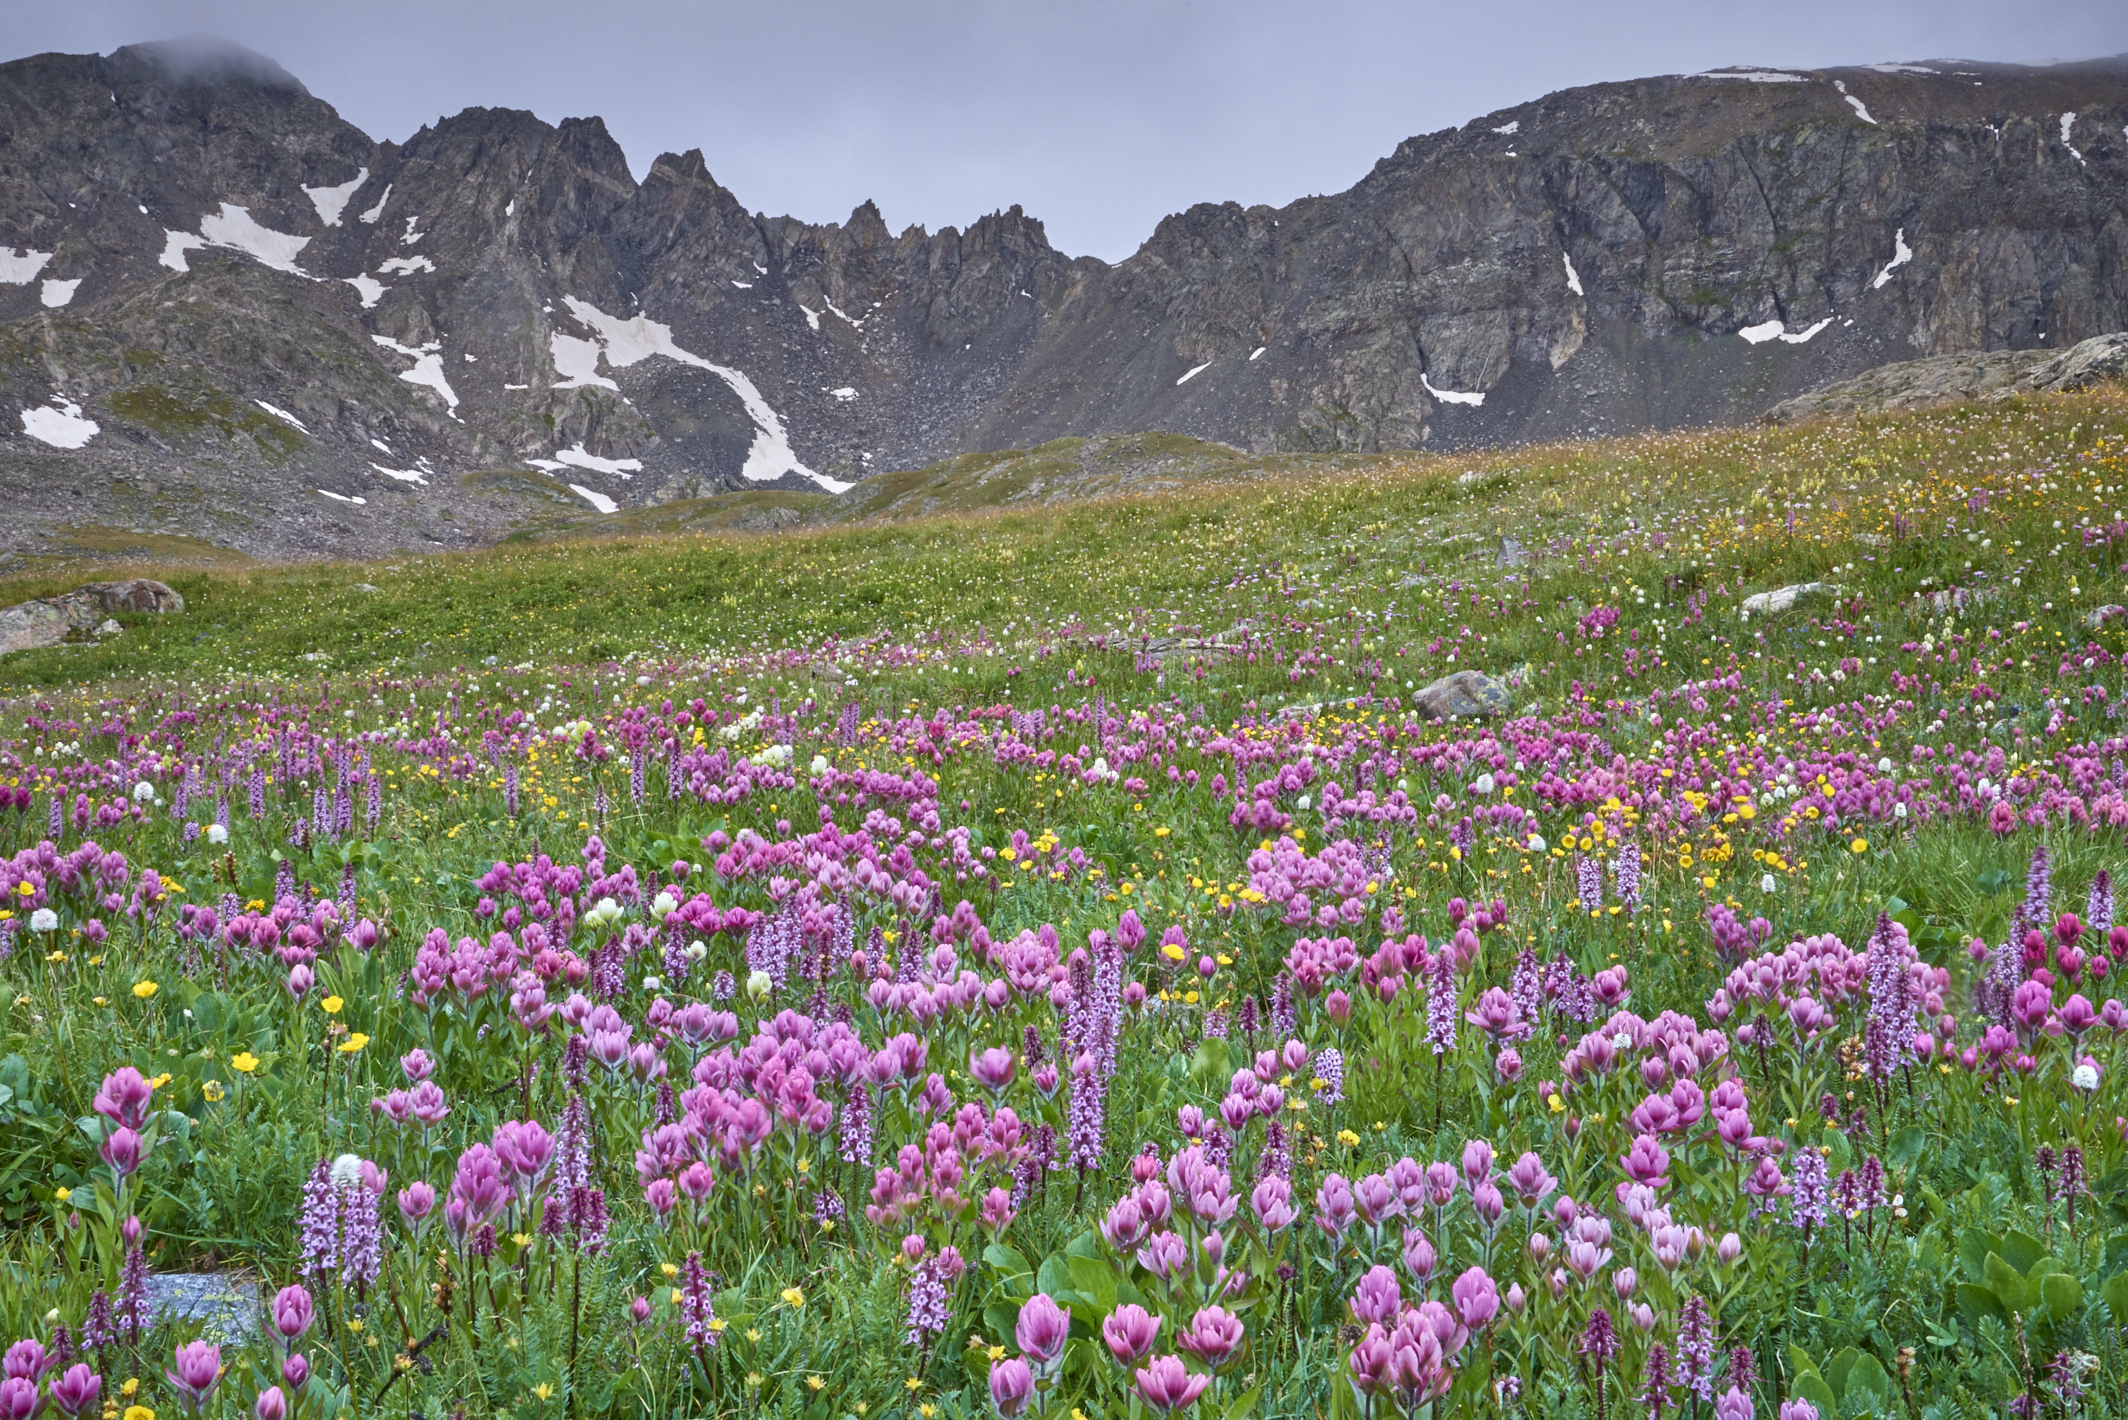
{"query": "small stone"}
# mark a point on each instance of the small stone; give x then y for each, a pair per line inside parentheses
(2099, 616)
(1465, 695)
(225, 1310)
(109, 628)
(1511, 554)
(1782, 599)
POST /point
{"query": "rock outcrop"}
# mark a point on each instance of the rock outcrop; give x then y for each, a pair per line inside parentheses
(226, 312)
(50, 620)
(1953, 379)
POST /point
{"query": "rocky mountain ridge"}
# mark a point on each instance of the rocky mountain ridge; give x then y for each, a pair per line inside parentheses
(227, 313)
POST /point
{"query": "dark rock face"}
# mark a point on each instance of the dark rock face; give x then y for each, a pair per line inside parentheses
(225, 312)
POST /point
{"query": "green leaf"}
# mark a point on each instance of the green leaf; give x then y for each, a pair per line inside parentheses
(1976, 1301)
(2021, 1250)
(2061, 1294)
(1837, 1368)
(1007, 1260)
(1868, 1381)
(1908, 1143)
(2116, 1295)
(1210, 1065)
(1973, 1249)
(1094, 1280)
(1054, 1276)
(1244, 1404)
(2007, 1283)
(1812, 1387)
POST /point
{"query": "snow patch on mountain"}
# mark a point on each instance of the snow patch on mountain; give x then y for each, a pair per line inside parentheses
(369, 286)
(1777, 330)
(19, 268)
(56, 293)
(576, 361)
(597, 500)
(578, 457)
(175, 245)
(374, 213)
(1901, 255)
(61, 427)
(407, 264)
(235, 227)
(1861, 109)
(1756, 76)
(628, 341)
(279, 413)
(332, 201)
(2068, 125)
(1470, 398)
(428, 368)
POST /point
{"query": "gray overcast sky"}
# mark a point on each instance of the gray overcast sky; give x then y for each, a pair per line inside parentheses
(1097, 116)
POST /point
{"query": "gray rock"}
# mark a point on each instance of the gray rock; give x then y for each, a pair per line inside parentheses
(1465, 695)
(2099, 616)
(1787, 598)
(222, 1308)
(1511, 554)
(1307, 711)
(1985, 377)
(47, 622)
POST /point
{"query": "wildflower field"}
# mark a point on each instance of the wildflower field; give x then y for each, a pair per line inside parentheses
(1047, 963)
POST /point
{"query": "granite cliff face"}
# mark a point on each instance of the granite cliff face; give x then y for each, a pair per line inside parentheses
(226, 313)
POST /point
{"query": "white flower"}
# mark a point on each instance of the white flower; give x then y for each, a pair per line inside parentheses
(820, 764)
(758, 985)
(665, 903)
(1482, 785)
(143, 792)
(1622, 1041)
(651, 983)
(1884, 765)
(1898, 811)
(44, 920)
(774, 757)
(347, 1171)
(2085, 1078)
(1304, 802)
(1536, 843)
(697, 949)
(216, 834)
(642, 680)
(1766, 883)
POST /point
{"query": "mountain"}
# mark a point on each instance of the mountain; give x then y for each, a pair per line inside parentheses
(225, 313)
